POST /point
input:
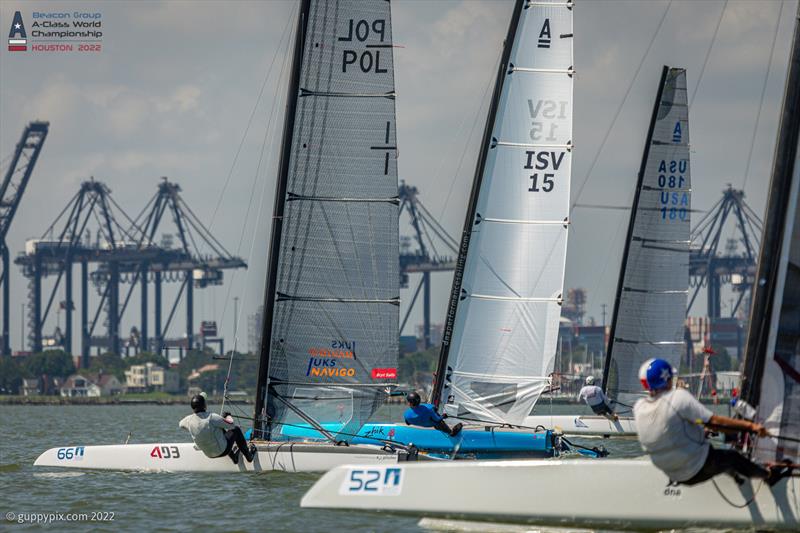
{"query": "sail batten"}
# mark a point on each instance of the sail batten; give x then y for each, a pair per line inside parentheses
(333, 287)
(650, 305)
(502, 326)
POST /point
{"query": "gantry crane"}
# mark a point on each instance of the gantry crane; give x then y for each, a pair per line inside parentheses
(16, 179)
(125, 252)
(426, 258)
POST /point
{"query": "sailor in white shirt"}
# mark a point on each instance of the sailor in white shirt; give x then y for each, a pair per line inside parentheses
(215, 435)
(671, 426)
(596, 399)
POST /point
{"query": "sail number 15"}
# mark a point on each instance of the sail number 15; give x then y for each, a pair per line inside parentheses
(543, 184)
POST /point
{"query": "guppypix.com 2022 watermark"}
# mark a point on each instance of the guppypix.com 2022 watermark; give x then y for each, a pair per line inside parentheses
(52, 518)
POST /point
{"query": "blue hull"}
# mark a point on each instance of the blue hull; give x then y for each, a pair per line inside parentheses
(472, 442)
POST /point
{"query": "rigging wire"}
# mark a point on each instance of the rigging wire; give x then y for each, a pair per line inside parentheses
(621, 105)
(763, 93)
(708, 53)
(289, 24)
(475, 121)
(269, 135)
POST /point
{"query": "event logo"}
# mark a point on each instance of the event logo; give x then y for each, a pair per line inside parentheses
(384, 373)
(17, 38)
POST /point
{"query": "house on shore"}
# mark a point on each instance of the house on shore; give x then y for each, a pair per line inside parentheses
(87, 385)
(151, 377)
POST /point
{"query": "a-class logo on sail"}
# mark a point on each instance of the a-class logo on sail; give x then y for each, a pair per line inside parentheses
(17, 38)
(544, 35)
(676, 133)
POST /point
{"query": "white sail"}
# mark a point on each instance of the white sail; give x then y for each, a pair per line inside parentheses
(651, 299)
(506, 321)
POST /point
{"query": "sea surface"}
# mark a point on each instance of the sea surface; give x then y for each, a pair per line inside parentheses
(173, 502)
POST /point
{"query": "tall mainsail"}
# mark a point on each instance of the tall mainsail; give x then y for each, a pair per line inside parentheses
(500, 336)
(650, 306)
(771, 378)
(329, 344)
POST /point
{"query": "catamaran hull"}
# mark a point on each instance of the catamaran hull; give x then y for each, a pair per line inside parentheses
(470, 442)
(185, 457)
(621, 494)
(587, 426)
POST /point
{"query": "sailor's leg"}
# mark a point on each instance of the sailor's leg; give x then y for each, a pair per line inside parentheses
(229, 451)
(740, 464)
(727, 461)
(441, 425)
(238, 437)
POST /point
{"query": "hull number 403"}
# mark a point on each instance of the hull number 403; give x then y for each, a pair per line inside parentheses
(165, 452)
(378, 481)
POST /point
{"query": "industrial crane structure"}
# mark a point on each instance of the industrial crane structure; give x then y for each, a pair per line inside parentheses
(711, 265)
(124, 252)
(427, 257)
(15, 181)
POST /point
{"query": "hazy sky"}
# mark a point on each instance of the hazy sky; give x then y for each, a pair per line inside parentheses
(173, 90)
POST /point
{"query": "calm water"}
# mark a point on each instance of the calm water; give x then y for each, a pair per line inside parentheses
(160, 501)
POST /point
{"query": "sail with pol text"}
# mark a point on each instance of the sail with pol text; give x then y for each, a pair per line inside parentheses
(650, 305)
(329, 344)
(500, 334)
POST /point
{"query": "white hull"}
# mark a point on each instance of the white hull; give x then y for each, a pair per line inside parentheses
(185, 457)
(620, 494)
(589, 426)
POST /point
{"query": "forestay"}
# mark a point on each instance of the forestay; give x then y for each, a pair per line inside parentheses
(651, 300)
(502, 325)
(332, 339)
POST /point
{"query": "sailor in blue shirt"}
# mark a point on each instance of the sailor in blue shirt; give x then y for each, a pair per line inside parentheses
(425, 415)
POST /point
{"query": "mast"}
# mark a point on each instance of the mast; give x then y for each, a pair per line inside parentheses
(458, 275)
(277, 218)
(628, 237)
(763, 309)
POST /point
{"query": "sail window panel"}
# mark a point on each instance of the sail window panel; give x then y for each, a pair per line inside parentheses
(344, 148)
(498, 266)
(345, 49)
(339, 250)
(503, 402)
(334, 406)
(545, 37)
(536, 110)
(510, 191)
